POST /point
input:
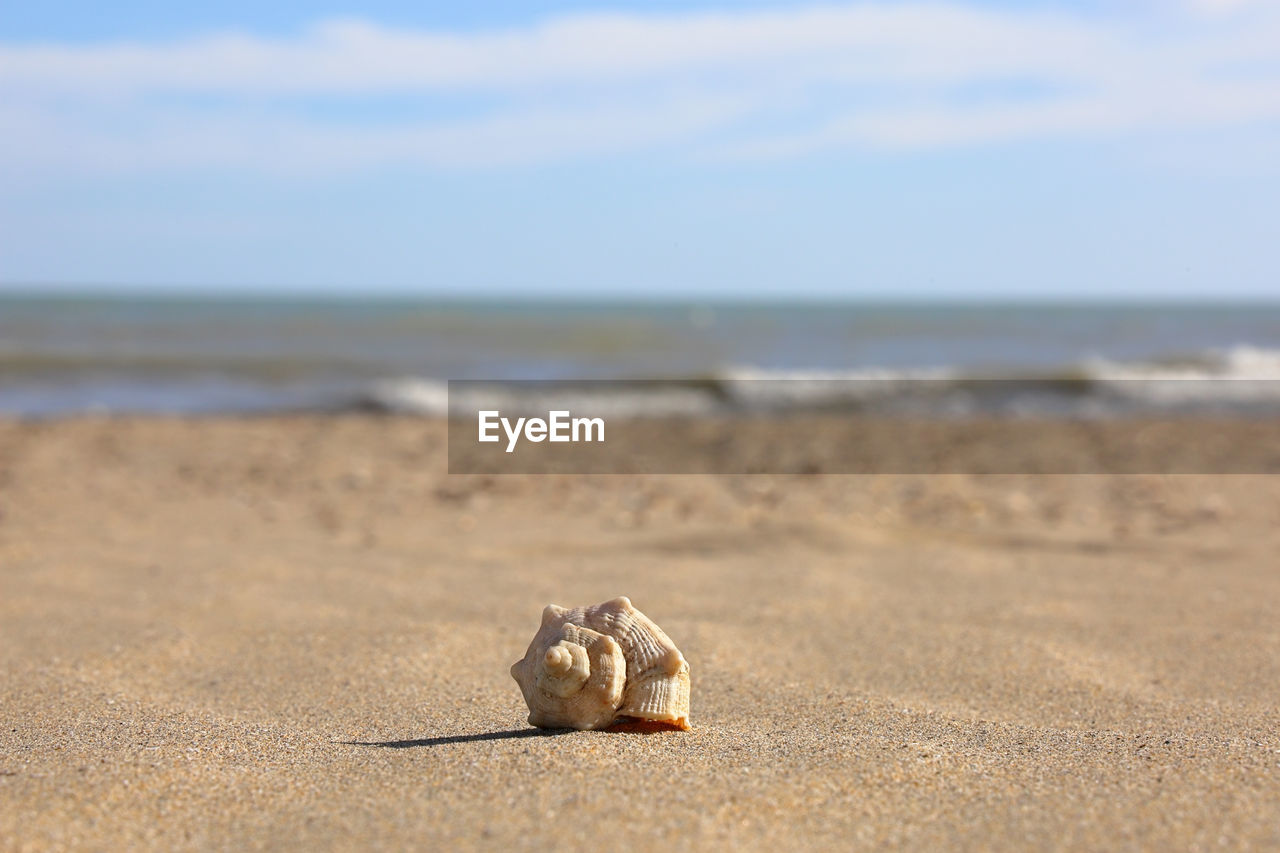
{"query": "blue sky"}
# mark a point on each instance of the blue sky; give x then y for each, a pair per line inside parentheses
(869, 150)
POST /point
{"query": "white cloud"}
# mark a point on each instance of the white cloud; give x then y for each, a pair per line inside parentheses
(779, 83)
(1221, 7)
(353, 56)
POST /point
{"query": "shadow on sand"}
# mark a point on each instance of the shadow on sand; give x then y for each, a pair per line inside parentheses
(448, 739)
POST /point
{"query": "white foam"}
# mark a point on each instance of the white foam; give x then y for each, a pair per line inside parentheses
(1240, 376)
(761, 388)
(1243, 376)
(410, 395)
(602, 399)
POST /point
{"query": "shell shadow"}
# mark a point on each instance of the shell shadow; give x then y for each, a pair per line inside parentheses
(445, 740)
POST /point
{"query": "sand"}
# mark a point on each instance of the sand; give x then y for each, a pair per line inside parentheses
(295, 633)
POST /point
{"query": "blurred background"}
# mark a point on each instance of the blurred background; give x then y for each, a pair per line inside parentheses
(315, 206)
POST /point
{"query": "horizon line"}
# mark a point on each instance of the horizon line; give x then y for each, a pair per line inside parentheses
(66, 291)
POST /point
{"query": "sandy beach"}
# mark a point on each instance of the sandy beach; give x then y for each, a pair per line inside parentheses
(295, 632)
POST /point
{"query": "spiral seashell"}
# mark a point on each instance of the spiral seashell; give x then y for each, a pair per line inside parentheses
(592, 666)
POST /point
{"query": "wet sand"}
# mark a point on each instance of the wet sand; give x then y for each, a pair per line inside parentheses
(295, 632)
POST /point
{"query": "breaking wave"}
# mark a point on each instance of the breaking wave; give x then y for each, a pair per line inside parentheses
(1238, 380)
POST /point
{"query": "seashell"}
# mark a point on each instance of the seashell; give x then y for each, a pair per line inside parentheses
(591, 666)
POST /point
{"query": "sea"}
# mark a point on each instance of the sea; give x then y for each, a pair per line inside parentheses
(68, 355)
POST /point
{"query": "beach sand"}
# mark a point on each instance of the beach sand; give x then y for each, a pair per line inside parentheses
(296, 632)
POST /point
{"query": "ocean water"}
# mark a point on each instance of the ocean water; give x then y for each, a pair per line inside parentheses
(127, 354)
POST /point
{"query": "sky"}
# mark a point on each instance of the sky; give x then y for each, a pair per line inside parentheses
(946, 149)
